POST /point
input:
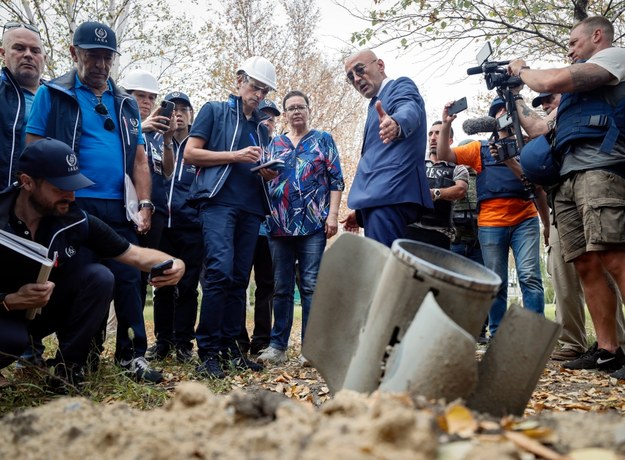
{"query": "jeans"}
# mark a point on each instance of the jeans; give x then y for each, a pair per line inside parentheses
(229, 240)
(470, 249)
(175, 307)
(524, 239)
(285, 250)
(263, 300)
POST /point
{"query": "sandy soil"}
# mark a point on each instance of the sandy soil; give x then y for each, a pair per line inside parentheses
(287, 412)
(197, 424)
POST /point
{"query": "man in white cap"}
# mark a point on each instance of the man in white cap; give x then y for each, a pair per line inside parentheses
(226, 141)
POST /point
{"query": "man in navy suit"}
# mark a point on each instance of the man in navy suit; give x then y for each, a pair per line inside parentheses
(390, 189)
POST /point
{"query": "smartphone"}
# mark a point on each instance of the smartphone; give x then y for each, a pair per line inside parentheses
(457, 106)
(159, 269)
(167, 108)
(276, 165)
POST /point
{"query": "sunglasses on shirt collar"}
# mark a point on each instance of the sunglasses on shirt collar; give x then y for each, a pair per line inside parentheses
(109, 124)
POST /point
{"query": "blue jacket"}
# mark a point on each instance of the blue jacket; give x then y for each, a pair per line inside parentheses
(181, 215)
(225, 135)
(393, 173)
(65, 123)
(12, 125)
(497, 180)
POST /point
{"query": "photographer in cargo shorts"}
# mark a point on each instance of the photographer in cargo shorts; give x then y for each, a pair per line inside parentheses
(589, 203)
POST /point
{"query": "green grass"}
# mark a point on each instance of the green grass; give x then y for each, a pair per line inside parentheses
(109, 384)
(106, 385)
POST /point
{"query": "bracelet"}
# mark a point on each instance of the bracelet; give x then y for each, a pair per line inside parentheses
(527, 185)
(169, 146)
(518, 97)
(4, 302)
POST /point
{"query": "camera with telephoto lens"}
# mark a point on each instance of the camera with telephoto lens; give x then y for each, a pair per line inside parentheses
(495, 72)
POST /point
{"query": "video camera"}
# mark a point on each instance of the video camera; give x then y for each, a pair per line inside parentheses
(495, 72)
(497, 78)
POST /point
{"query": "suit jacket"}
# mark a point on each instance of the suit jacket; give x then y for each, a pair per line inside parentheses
(393, 173)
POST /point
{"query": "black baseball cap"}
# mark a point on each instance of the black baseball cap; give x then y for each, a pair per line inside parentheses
(95, 35)
(268, 106)
(539, 99)
(178, 96)
(54, 161)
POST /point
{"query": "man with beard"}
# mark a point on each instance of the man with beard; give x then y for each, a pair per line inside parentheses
(75, 299)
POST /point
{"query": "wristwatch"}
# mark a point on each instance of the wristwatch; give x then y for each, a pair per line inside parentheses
(146, 204)
(436, 193)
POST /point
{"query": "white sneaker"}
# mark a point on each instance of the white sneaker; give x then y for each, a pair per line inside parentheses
(273, 356)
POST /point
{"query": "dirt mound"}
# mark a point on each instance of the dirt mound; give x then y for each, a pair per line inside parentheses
(198, 424)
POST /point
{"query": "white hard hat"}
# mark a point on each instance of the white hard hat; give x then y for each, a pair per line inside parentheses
(140, 80)
(259, 69)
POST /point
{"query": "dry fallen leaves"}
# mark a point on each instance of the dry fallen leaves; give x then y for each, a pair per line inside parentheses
(458, 420)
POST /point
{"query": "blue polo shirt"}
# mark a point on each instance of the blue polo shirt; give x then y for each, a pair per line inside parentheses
(100, 151)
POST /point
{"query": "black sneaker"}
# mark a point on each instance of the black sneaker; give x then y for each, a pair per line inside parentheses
(184, 355)
(598, 358)
(157, 352)
(237, 360)
(211, 368)
(257, 348)
(140, 370)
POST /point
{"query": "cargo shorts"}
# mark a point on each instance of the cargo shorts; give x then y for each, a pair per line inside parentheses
(590, 213)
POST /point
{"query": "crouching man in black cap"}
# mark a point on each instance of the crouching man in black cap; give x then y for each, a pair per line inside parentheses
(75, 300)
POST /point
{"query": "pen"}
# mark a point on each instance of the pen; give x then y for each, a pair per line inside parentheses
(256, 145)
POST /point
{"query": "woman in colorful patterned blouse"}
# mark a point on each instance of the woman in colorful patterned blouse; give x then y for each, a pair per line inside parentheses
(304, 204)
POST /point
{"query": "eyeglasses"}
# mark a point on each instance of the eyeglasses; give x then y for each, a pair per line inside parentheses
(359, 70)
(296, 108)
(109, 124)
(264, 90)
(17, 25)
